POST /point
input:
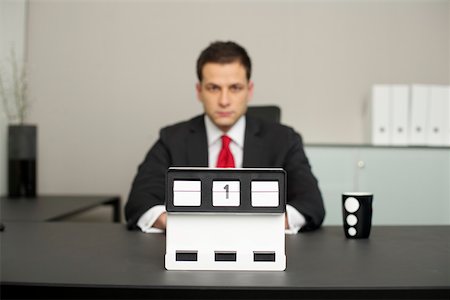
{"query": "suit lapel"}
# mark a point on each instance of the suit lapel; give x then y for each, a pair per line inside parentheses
(197, 144)
(253, 144)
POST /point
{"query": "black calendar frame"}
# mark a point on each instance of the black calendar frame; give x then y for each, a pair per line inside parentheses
(244, 176)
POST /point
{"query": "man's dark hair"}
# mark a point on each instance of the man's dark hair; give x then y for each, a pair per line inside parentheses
(224, 53)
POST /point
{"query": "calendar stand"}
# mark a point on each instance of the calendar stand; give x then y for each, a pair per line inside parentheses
(225, 219)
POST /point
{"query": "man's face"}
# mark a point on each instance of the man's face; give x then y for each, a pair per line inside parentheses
(224, 92)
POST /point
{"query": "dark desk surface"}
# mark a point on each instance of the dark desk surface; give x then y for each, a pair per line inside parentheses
(106, 260)
(53, 208)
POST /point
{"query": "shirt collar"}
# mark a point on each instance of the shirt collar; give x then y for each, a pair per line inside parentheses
(236, 133)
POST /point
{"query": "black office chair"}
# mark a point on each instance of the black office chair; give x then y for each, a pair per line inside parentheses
(271, 113)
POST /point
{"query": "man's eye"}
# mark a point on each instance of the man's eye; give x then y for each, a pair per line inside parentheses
(212, 88)
(236, 88)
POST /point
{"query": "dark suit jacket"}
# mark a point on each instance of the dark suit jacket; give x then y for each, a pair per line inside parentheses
(265, 145)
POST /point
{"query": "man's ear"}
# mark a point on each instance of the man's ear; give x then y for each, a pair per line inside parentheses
(251, 86)
(198, 88)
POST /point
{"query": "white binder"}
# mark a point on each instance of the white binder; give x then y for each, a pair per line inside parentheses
(419, 114)
(448, 117)
(399, 99)
(436, 134)
(380, 115)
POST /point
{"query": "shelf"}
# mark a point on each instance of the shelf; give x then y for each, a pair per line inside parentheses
(376, 146)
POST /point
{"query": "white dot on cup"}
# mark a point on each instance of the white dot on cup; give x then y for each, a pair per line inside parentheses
(351, 204)
(352, 220)
(352, 231)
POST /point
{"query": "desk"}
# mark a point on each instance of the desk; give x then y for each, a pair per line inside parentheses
(53, 208)
(105, 260)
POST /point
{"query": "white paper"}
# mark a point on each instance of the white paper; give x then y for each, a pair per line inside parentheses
(186, 193)
(265, 194)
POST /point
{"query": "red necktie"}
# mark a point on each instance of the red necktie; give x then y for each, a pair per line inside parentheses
(225, 159)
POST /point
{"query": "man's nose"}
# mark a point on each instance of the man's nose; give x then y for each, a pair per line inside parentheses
(224, 99)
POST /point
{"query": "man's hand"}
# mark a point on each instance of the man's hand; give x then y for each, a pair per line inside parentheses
(161, 221)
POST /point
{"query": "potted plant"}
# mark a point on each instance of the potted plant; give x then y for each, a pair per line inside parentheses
(22, 137)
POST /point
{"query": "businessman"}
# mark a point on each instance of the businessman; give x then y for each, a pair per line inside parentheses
(224, 136)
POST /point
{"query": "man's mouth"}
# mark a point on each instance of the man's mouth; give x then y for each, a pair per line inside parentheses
(224, 114)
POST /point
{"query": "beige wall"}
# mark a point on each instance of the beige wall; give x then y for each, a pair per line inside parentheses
(106, 75)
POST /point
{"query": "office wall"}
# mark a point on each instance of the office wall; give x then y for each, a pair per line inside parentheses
(106, 75)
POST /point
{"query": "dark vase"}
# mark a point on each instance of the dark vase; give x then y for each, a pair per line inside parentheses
(22, 154)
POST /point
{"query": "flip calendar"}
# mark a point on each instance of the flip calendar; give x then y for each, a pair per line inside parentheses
(225, 219)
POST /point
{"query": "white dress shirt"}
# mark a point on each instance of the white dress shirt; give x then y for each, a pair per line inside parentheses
(237, 133)
(214, 136)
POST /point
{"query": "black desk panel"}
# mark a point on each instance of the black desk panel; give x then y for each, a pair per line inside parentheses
(53, 208)
(104, 260)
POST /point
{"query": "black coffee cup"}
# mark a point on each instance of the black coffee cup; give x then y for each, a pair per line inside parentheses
(357, 214)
